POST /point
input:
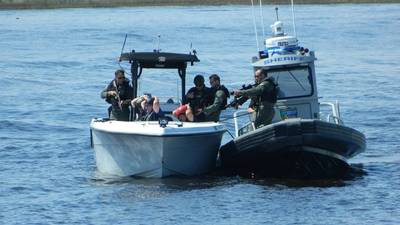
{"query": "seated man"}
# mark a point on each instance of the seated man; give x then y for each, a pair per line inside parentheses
(148, 108)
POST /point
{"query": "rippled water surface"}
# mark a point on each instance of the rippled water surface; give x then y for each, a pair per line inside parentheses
(54, 63)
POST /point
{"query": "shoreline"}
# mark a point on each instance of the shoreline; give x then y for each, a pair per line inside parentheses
(53, 4)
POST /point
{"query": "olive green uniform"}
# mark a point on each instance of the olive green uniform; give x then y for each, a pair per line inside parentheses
(212, 112)
(125, 93)
(264, 109)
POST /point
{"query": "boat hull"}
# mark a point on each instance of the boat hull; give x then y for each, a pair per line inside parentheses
(155, 155)
(294, 148)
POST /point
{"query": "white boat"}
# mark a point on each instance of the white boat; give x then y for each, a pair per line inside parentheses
(146, 149)
(307, 138)
(156, 148)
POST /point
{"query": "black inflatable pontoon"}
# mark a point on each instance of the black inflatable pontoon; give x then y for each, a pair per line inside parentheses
(298, 148)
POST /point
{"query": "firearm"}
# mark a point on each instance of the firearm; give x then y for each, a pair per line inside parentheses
(117, 96)
(119, 101)
(240, 100)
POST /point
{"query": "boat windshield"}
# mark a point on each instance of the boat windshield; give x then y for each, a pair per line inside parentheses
(293, 82)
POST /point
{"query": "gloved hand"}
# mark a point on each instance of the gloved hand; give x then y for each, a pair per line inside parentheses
(112, 93)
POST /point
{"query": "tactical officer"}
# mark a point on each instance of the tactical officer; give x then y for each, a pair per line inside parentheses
(220, 94)
(198, 98)
(119, 94)
(263, 95)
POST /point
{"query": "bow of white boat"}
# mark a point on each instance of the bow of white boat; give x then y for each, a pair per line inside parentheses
(154, 128)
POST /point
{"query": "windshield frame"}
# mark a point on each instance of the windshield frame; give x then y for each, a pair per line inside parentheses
(310, 79)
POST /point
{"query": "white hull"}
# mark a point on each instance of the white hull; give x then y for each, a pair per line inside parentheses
(145, 149)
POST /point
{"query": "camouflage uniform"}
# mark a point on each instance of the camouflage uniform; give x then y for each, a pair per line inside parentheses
(212, 112)
(125, 92)
(262, 103)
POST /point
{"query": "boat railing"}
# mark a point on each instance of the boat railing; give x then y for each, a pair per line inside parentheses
(334, 115)
(249, 126)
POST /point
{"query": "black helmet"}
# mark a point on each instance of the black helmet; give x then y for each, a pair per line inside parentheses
(198, 80)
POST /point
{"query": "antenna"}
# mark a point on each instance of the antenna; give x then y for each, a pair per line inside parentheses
(123, 45)
(262, 19)
(255, 25)
(276, 12)
(122, 51)
(294, 25)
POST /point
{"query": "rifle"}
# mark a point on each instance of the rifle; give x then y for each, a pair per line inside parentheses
(117, 96)
(240, 100)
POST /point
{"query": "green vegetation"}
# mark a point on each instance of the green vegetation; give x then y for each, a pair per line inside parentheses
(26, 4)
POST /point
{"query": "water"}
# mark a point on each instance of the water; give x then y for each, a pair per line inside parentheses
(54, 63)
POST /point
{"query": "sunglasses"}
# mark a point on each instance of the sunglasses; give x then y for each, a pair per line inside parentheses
(120, 78)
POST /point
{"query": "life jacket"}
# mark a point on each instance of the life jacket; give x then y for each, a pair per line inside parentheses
(124, 91)
(225, 90)
(202, 98)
